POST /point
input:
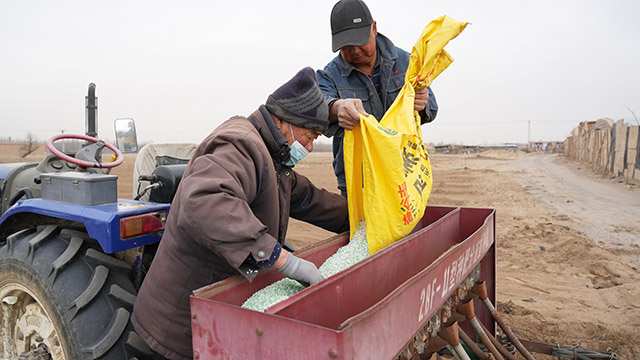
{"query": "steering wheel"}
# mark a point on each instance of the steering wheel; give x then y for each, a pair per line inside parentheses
(90, 161)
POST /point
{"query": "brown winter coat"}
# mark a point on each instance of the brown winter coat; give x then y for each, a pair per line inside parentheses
(234, 199)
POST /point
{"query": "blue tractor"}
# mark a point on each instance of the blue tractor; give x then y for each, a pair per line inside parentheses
(72, 254)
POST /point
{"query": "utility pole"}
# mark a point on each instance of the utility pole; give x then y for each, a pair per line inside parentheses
(529, 136)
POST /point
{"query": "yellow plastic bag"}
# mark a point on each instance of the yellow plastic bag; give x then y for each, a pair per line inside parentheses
(387, 167)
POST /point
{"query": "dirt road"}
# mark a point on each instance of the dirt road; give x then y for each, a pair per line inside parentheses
(606, 210)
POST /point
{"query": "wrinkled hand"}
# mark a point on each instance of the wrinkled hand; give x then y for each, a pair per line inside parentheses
(302, 270)
(349, 111)
(421, 99)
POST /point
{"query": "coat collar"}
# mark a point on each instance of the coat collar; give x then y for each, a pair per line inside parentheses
(276, 143)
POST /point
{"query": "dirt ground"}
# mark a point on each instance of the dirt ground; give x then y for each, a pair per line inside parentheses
(568, 240)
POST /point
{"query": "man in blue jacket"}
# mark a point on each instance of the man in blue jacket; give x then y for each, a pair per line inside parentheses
(365, 77)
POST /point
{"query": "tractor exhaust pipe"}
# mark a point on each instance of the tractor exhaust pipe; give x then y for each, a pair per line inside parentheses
(91, 112)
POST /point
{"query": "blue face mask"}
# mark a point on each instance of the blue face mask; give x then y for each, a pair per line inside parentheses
(297, 152)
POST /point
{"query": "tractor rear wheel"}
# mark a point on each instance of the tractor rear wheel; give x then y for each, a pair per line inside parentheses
(62, 297)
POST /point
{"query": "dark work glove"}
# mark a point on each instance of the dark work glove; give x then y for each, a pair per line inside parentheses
(302, 270)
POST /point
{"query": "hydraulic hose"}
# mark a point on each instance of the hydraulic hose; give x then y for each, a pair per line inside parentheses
(22, 192)
(480, 289)
(454, 352)
(499, 346)
(472, 345)
(466, 308)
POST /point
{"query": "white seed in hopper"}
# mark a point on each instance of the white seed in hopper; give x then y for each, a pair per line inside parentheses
(355, 251)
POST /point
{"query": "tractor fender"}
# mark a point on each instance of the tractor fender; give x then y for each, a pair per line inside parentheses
(102, 222)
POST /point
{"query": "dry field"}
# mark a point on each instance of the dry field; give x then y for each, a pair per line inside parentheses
(568, 241)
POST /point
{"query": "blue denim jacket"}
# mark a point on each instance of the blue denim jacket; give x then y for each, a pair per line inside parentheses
(341, 80)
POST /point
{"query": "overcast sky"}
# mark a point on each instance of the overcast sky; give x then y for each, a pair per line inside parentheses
(180, 68)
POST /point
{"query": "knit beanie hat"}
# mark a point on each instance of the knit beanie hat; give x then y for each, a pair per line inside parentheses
(300, 102)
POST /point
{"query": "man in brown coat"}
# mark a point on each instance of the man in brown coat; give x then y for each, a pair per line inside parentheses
(232, 208)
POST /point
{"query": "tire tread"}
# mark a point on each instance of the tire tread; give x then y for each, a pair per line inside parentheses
(109, 261)
(111, 336)
(89, 293)
(97, 282)
(137, 345)
(74, 246)
(37, 240)
(11, 238)
(122, 296)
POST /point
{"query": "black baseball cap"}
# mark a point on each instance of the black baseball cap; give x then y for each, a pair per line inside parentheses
(350, 24)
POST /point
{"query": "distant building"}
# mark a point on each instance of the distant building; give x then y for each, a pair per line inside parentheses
(459, 149)
(546, 146)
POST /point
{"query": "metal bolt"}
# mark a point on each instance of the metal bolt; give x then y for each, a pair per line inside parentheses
(196, 355)
(333, 353)
(259, 331)
(194, 316)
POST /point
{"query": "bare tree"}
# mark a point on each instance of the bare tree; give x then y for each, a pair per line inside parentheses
(29, 146)
(632, 113)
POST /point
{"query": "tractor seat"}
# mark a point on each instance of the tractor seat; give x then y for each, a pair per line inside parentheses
(168, 176)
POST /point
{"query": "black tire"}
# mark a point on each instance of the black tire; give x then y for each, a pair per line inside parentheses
(56, 278)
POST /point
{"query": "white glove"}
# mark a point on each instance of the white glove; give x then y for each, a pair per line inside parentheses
(302, 270)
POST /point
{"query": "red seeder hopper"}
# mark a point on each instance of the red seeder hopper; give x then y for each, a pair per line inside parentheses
(391, 305)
